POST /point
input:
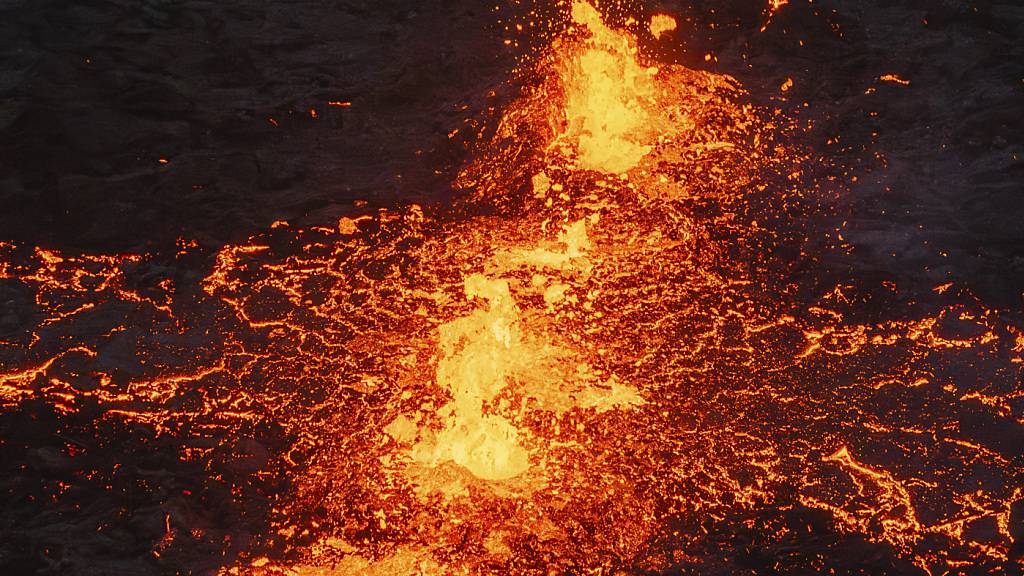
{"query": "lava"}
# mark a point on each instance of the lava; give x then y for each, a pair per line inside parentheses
(609, 98)
(605, 358)
(661, 24)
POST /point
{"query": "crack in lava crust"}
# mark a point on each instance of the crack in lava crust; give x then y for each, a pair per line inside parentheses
(603, 360)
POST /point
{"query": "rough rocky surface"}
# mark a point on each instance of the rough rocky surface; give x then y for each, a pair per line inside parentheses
(947, 203)
(97, 94)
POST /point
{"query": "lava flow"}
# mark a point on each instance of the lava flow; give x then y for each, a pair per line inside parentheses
(616, 354)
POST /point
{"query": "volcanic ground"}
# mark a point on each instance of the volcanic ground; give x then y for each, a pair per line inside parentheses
(514, 288)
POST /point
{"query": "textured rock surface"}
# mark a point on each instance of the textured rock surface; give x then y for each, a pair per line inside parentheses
(94, 95)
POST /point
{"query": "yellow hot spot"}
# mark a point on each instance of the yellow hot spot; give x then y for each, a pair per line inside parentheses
(573, 244)
(541, 185)
(488, 447)
(613, 395)
(479, 353)
(661, 24)
(606, 93)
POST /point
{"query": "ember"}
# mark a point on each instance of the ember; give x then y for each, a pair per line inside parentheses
(613, 354)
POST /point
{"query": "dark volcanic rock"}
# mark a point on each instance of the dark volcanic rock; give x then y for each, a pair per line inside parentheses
(126, 124)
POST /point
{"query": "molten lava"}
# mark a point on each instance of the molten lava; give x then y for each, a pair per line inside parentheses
(609, 98)
(662, 24)
(603, 360)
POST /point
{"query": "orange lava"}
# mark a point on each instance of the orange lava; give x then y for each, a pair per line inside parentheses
(600, 355)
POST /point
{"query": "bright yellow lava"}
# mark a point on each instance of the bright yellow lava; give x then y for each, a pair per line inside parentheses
(662, 24)
(482, 354)
(479, 354)
(609, 97)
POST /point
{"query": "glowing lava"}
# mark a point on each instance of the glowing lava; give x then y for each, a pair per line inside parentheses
(479, 354)
(661, 24)
(609, 97)
(614, 355)
(492, 349)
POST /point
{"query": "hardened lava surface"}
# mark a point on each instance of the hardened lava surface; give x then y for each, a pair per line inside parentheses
(627, 349)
